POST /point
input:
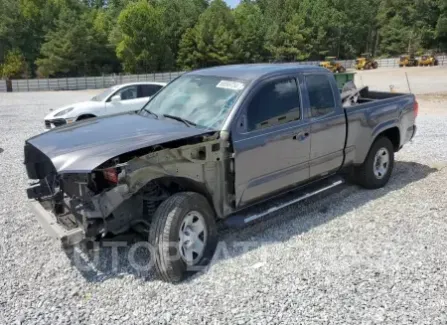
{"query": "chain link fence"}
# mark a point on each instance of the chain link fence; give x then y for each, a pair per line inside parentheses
(106, 81)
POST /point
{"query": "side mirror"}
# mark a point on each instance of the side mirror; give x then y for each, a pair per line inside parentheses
(116, 98)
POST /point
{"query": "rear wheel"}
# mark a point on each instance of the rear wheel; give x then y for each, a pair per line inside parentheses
(378, 165)
(183, 235)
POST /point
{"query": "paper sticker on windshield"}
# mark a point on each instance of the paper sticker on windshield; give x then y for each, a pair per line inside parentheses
(233, 85)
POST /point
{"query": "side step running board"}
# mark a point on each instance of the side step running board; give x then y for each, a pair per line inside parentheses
(243, 218)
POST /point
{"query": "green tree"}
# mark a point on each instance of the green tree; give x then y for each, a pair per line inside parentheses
(23, 25)
(78, 45)
(250, 33)
(178, 17)
(212, 39)
(188, 55)
(14, 65)
(441, 32)
(408, 26)
(142, 47)
(71, 37)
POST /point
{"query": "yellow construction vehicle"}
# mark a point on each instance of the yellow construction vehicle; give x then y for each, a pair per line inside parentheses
(366, 62)
(428, 60)
(408, 61)
(330, 64)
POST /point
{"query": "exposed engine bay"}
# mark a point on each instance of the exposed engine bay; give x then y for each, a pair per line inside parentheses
(125, 191)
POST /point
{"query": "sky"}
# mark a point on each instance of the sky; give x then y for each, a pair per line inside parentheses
(232, 3)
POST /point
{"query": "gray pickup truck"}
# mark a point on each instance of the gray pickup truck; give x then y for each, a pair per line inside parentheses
(215, 144)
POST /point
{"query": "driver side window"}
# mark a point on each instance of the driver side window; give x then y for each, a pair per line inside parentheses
(277, 102)
(128, 93)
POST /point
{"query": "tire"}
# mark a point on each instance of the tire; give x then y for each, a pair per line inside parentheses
(367, 175)
(166, 225)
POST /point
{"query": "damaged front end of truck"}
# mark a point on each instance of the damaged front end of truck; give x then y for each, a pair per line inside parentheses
(123, 192)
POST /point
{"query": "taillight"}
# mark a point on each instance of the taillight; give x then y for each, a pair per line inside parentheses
(111, 175)
(416, 108)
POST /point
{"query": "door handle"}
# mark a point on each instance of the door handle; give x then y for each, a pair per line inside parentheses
(300, 136)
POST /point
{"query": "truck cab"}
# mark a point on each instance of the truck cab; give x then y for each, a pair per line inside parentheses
(292, 126)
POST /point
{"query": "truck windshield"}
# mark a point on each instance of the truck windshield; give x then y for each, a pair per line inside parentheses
(203, 100)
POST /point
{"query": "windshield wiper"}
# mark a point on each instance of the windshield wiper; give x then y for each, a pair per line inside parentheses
(186, 122)
(150, 112)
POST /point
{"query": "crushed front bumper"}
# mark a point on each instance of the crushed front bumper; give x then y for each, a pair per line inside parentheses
(48, 221)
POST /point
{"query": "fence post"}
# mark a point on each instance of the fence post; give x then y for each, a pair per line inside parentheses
(66, 82)
(76, 83)
(27, 84)
(85, 82)
(170, 76)
(48, 83)
(103, 81)
(38, 84)
(408, 82)
(154, 76)
(58, 84)
(94, 79)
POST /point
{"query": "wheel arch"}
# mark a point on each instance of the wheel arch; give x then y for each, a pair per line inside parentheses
(177, 184)
(393, 134)
(85, 116)
(390, 131)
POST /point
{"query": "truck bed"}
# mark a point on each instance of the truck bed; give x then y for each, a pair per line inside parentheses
(374, 112)
(368, 96)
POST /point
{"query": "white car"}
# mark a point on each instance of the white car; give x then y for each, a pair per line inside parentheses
(117, 99)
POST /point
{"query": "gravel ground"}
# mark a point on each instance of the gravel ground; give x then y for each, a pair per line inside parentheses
(351, 257)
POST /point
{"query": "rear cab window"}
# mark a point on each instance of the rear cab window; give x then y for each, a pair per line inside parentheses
(321, 96)
(277, 102)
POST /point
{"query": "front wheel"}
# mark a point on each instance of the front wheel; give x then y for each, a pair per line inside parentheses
(378, 165)
(183, 235)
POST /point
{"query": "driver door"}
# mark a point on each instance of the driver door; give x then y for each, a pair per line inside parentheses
(272, 141)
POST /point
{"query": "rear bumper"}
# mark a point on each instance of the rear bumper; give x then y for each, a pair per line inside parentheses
(49, 222)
